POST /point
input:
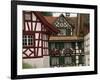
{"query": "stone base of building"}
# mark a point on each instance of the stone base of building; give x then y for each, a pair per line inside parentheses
(37, 62)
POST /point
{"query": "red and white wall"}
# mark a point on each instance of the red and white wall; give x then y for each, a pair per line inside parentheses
(35, 54)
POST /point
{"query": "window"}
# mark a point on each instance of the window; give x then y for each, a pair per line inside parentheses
(27, 40)
(80, 45)
(68, 32)
(62, 32)
(68, 60)
(73, 45)
(65, 31)
(81, 59)
(24, 40)
(59, 45)
(67, 45)
(51, 45)
(54, 61)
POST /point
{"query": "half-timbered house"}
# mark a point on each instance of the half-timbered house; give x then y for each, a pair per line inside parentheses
(50, 41)
(36, 33)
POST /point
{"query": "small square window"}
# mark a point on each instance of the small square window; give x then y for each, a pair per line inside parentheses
(28, 40)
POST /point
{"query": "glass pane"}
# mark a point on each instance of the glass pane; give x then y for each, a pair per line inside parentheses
(73, 45)
(68, 32)
(24, 40)
(51, 45)
(81, 59)
(68, 60)
(67, 45)
(54, 61)
(63, 31)
(59, 45)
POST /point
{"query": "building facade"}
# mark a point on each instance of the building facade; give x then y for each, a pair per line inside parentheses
(87, 49)
(67, 47)
(36, 32)
(50, 41)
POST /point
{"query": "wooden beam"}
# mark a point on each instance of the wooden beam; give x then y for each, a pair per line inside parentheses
(28, 26)
(38, 43)
(31, 22)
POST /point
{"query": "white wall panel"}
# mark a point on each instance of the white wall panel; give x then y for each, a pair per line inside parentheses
(33, 25)
(33, 17)
(38, 27)
(39, 51)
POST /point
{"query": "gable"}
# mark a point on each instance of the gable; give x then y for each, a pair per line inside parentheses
(31, 22)
(62, 22)
(31, 19)
(47, 25)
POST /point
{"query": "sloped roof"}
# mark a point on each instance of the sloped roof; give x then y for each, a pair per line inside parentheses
(50, 19)
(50, 27)
(71, 20)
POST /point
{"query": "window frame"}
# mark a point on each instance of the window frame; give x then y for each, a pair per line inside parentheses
(29, 41)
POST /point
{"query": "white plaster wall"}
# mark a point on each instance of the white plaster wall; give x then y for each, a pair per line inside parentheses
(26, 26)
(38, 28)
(37, 35)
(33, 25)
(33, 17)
(87, 49)
(39, 51)
(46, 61)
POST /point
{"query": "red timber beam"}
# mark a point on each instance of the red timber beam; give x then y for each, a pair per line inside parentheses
(31, 22)
(28, 26)
(38, 43)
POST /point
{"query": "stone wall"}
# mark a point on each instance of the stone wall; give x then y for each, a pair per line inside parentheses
(38, 62)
